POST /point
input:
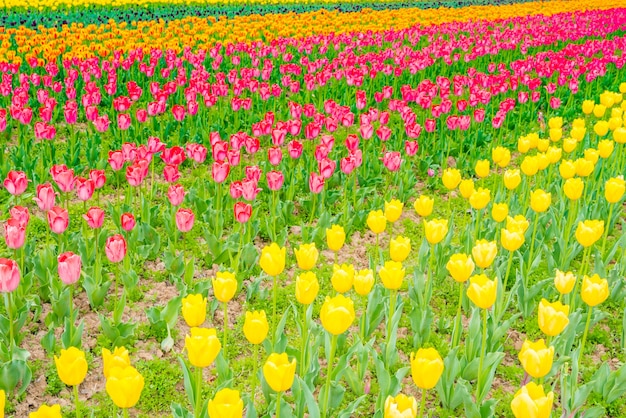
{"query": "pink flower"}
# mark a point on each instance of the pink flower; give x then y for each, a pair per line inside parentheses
(171, 173)
(392, 160)
(179, 112)
(127, 221)
(274, 155)
(14, 233)
(326, 167)
(84, 188)
(9, 275)
(184, 219)
(411, 147)
(249, 189)
(176, 194)
(295, 149)
(134, 175)
(243, 211)
(316, 183)
(115, 248)
(347, 164)
(116, 160)
(275, 180)
(220, 171)
(16, 182)
(98, 177)
(69, 266)
(58, 219)
(196, 152)
(20, 214)
(46, 196)
(94, 217)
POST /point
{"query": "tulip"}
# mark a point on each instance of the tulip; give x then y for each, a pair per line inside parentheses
(127, 221)
(307, 287)
(435, 230)
(46, 197)
(14, 233)
(226, 404)
(594, 290)
(482, 168)
(573, 188)
(588, 106)
(279, 373)
(499, 211)
(376, 221)
(530, 166)
(401, 406)
(614, 189)
(272, 259)
(584, 167)
(553, 317)
(175, 194)
(118, 358)
(480, 198)
(482, 291)
(484, 252)
(393, 210)
(71, 366)
(58, 220)
(342, 278)
(501, 156)
(115, 248)
(399, 248)
(124, 386)
(363, 282)
(451, 178)
(16, 182)
(94, 217)
(466, 187)
(337, 314)
(511, 240)
(185, 219)
(567, 169)
(536, 358)
(540, 200)
(392, 275)
(9, 276)
(424, 205)
(69, 267)
(194, 309)
(46, 411)
(588, 232)
(601, 128)
(531, 402)
(335, 238)
(224, 286)
(426, 368)
(306, 256)
(255, 327)
(202, 346)
(460, 267)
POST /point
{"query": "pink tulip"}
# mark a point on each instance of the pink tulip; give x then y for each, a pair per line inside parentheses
(220, 150)
(249, 189)
(275, 180)
(63, 177)
(155, 145)
(430, 125)
(141, 115)
(84, 188)
(14, 233)
(20, 214)
(123, 121)
(129, 151)
(16, 182)
(253, 173)
(9, 275)
(134, 175)
(274, 155)
(347, 165)
(479, 115)
(94, 217)
(278, 136)
(179, 112)
(392, 160)
(174, 155)
(243, 211)
(220, 171)
(236, 189)
(321, 152)
(196, 152)
(233, 156)
(295, 149)
(102, 123)
(115, 248)
(184, 219)
(46, 196)
(326, 167)
(128, 221)
(316, 183)
(69, 265)
(171, 173)
(176, 194)
(411, 148)
(58, 219)
(361, 100)
(116, 160)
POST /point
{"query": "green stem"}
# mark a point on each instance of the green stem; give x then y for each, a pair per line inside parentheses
(333, 347)
(125, 412)
(313, 208)
(278, 398)
(8, 304)
(606, 230)
(584, 340)
(583, 271)
(476, 228)
(506, 281)
(305, 336)
(483, 349)
(532, 247)
(225, 328)
(362, 322)
(71, 315)
(422, 404)
(392, 308)
(198, 399)
(456, 337)
(76, 401)
(275, 297)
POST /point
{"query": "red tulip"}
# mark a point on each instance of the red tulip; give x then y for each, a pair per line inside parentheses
(184, 219)
(316, 183)
(176, 194)
(16, 182)
(46, 196)
(243, 211)
(84, 188)
(275, 180)
(58, 219)
(9, 275)
(295, 149)
(69, 265)
(14, 233)
(128, 221)
(98, 177)
(115, 248)
(94, 217)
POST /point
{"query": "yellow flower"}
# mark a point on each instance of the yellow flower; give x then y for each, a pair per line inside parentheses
(578, 133)
(484, 252)
(588, 106)
(619, 135)
(595, 290)
(588, 232)
(480, 198)
(592, 155)
(614, 189)
(46, 411)
(555, 134)
(607, 100)
(555, 122)
(306, 256)
(71, 366)
(598, 110)
(335, 237)
(615, 122)
(342, 278)
(392, 275)
(255, 327)
(279, 372)
(531, 402)
(501, 156)
(567, 169)
(2, 403)
(605, 148)
(466, 188)
(530, 165)
(363, 282)
(337, 314)
(564, 282)
(554, 154)
(552, 317)
(511, 240)
(435, 230)
(569, 144)
(460, 266)
(426, 368)
(124, 386)
(393, 210)
(376, 221)
(542, 161)
(540, 200)
(272, 259)
(482, 291)
(401, 406)
(584, 167)
(226, 404)
(517, 223)
(482, 168)
(536, 358)
(424, 205)
(512, 178)
(499, 211)
(118, 358)
(542, 145)
(194, 309)
(573, 188)
(451, 178)
(399, 248)
(224, 286)
(523, 144)
(202, 346)
(601, 128)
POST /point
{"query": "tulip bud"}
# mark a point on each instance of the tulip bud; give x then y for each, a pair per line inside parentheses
(255, 327)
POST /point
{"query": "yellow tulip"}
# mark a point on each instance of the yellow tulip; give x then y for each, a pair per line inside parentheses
(363, 282)
(605, 148)
(255, 327)
(592, 155)
(337, 314)
(306, 256)
(523, 145)
(460, 266)
(555, 122)
(46, 411)
(530, 165)
(194, 309)
(335, 237)
(342, 278)
(118, 358)
(424, 206)
(511, 240)
(482, 291)
(392, 275)
(542, 145)
(202, 346)
(542, 161)
(614, 189)
(499, 211)
(480, 198)
(451, 178)
(399, 248)
(393, 210)
(466, 187)
(484, 252)
(435, 230)
(554, 154)
(224, 286)
(279, 372)
(307, 287)
(552, 317)
(567, 169)
(598, 110)
(536, 358)
(482, 168)
(517, 223)
(540, 200)
(573, 188)
(619, 135)
(607, 100)
(401, 406)
(584, 167)
(555, 134)
(601, 128)
(531, 402)
(226, 404)
(426, 368)
(272, 259)
(617, 112)
(124, 386)
(512, 178)
(615, 122)
(594, 290)
(501, 156)
(564, 281)
(588, 232)
(588, 106)
(376, 221)
(71, 366)
(578, 133)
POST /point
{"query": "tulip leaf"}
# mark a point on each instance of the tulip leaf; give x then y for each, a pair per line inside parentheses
(614, 386)
(350, 410)
(179, 411)
(311, 404)
(14, 374)
(188, 381)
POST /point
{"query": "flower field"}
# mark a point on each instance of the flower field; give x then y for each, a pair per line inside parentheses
(372, 208)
